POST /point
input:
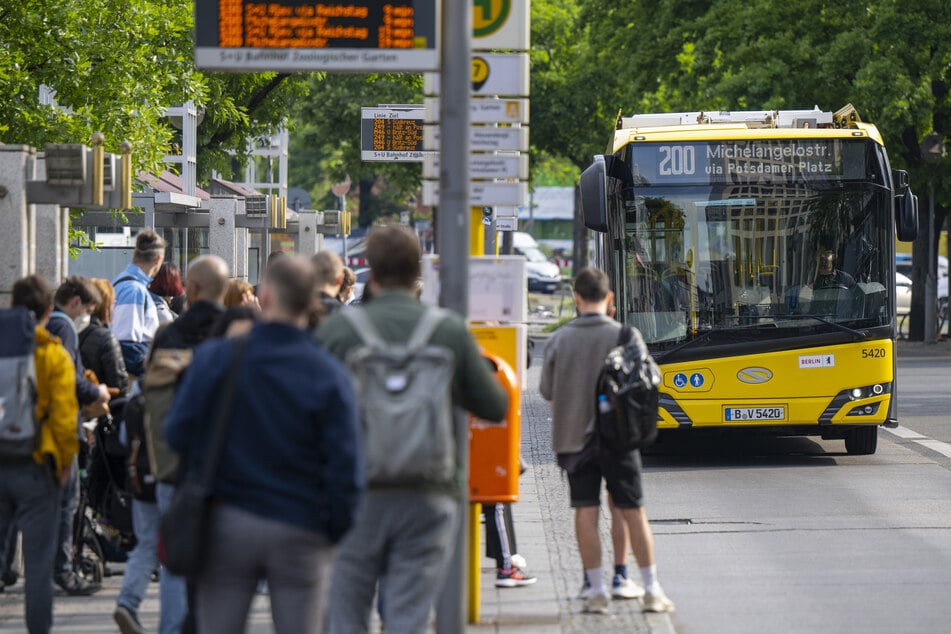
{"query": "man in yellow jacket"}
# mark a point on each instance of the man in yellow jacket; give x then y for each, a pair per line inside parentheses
(30, 488)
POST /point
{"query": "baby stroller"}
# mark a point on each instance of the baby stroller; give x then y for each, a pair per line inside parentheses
(103, 526)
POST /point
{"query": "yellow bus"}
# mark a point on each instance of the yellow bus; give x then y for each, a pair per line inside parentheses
(755, 251)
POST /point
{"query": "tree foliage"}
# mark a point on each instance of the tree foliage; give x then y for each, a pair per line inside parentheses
(890, 59)
(115, 67)
(326, 132)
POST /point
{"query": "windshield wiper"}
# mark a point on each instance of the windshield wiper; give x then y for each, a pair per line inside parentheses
(858, 334)
(706, 334)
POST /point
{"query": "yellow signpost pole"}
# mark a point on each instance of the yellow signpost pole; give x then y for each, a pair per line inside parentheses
(476, 247)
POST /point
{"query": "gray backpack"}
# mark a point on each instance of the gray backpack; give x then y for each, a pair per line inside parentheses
(18, 425)
(405, 400)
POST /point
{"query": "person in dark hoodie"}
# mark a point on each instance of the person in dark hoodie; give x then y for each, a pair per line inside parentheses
(205, 284)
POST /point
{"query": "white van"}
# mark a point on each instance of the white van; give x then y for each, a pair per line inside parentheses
(543, 276)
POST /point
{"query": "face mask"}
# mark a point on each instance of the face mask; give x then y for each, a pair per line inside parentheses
(81, 322)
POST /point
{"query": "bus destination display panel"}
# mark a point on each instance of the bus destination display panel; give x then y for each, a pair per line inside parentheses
(748, 161)
(302, 35)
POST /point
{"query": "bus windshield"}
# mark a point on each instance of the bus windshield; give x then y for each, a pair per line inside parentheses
(722, 262)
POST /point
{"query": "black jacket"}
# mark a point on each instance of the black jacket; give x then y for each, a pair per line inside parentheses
(101, 353)
(190, 329)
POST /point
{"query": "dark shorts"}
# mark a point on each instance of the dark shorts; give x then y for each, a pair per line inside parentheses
(622, 474)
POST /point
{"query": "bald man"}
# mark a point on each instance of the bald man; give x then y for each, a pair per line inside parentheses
(205, 282)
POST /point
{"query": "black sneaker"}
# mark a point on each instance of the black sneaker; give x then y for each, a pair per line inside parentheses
(74, 585)
(10, 577)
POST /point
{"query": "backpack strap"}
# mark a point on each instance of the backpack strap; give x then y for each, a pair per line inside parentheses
(425, 327)
(430, 319)
(363, 326)
(129, 278)
(626, 334)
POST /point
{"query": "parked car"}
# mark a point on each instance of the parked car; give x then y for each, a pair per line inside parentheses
(903, 301)
(543, 275)
(903, 265)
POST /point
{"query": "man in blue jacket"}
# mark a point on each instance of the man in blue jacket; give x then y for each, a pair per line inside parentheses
(290, 475)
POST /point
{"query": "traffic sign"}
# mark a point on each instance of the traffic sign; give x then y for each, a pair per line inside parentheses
(484, 166)
(506, 224)
(332, 35)
(500, 24)
(485, 110)
(492, 74)
(483, 193)
(483, 138)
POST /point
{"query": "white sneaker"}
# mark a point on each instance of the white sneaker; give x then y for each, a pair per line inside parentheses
(657, 602)
(625, 588)
(596, 603)
(518, 561)
(585, 591)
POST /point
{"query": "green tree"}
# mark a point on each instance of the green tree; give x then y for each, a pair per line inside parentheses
(115, 65)
(327, 127)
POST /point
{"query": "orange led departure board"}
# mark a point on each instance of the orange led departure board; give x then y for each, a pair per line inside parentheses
(392, 134)
(290, 35)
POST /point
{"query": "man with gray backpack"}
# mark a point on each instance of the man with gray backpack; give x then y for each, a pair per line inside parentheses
(38, 441)
(413, 368)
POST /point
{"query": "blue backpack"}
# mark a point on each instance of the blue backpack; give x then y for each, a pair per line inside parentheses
(18, 425)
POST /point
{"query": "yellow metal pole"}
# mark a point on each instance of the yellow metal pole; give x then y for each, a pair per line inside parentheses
(476, 247)
(98, 169)
(476, 232)
(126, 179)
(475, 558)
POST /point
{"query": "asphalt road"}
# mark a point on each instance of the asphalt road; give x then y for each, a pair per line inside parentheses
(793, 535)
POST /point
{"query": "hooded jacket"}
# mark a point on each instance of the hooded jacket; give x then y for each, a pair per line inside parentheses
(56, 404)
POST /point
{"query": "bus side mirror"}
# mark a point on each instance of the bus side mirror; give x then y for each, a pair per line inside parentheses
(906, 216)
(594, 187)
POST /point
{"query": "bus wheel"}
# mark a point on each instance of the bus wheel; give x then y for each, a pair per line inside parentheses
(862, 441)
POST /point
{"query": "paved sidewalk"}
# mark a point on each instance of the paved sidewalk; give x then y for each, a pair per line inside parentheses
(544, 526)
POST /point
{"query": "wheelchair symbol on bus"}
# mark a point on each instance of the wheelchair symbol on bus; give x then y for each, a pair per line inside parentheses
(680, 380)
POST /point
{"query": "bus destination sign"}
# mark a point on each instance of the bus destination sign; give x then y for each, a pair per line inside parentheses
(391, 134)
(754, 161)
(312, 35)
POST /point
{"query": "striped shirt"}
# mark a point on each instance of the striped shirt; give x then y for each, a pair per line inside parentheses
(134, 316)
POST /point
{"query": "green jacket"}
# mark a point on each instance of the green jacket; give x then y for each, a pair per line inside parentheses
(395, 313)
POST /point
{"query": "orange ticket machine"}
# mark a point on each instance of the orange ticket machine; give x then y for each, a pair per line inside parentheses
(494, 447)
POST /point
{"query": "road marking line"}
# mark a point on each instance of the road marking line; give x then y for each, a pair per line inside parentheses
(942, 448)
(904, 432)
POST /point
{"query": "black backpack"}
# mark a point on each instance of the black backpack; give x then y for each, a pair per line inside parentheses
(626, 396)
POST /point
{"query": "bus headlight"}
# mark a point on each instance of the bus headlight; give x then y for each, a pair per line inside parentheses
(857, 393)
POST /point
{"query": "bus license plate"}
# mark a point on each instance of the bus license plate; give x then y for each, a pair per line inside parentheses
(731, 414)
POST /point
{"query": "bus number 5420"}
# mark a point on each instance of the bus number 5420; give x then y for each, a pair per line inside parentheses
(678, 160)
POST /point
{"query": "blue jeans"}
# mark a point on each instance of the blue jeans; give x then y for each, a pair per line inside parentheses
(69, 504)
(173, 595)
(144, 557)
(30, 498)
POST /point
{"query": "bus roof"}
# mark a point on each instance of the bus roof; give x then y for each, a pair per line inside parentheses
(731, 125)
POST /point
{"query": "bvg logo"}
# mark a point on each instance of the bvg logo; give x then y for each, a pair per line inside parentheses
(488, 16)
